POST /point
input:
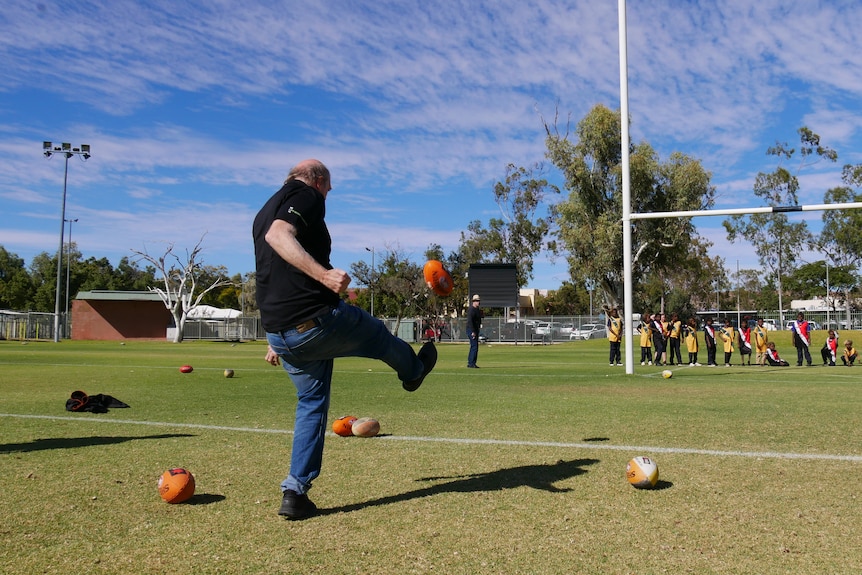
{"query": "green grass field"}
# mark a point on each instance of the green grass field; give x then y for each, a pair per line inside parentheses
(513, 468)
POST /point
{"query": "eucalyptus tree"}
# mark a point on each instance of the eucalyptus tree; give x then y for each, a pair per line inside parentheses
(399, 287)
(776, 239)
(521, 231)
(588, 220)
(15, 283)
(840, 239)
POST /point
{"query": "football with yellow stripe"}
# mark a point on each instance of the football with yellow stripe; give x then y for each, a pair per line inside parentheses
(642, 472)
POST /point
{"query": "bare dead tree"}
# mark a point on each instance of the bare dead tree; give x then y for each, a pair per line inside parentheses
(181, 292)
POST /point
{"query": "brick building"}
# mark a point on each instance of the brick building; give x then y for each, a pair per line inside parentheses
(119, 315)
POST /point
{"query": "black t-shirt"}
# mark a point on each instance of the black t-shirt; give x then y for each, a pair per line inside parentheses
(285, 295)
(474, 319)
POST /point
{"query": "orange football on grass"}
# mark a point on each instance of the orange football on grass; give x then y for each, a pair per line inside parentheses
(176, 485)
(343, 426)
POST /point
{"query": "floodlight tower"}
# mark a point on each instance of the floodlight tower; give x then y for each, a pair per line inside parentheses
(48, 149)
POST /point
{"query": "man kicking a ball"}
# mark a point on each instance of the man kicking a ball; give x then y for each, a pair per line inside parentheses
(308, 325)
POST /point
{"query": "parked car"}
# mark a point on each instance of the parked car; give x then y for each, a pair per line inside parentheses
(588, 331)
(551, 328)
(832, 324)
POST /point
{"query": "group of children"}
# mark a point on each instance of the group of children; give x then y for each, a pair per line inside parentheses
(829, 351)
(666, 336)
(661, 338)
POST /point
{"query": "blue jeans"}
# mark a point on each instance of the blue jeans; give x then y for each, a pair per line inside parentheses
(473, 354)
(347, 331)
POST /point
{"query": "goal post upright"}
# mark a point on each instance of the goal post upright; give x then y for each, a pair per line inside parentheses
(626, 184)
(628, 216)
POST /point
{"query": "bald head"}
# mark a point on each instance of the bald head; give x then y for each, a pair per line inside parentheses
(309, 171)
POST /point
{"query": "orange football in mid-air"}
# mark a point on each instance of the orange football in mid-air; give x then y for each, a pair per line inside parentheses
(437, 278)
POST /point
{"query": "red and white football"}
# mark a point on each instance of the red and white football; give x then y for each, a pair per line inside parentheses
(343, 426)
(176, 485)
(437, 278)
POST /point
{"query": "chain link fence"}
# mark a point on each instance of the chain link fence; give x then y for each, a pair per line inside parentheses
(36, 326)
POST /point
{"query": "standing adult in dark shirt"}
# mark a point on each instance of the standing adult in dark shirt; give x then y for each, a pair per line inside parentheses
(308, 325)
(474, 325)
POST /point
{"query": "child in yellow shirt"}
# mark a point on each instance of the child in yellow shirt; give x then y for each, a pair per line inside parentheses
(761, 338)
(690, 331)
(849, 353)
(646, 339)
(727, 334)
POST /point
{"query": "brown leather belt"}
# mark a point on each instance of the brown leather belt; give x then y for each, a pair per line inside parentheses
(305, 326)
(310, 323)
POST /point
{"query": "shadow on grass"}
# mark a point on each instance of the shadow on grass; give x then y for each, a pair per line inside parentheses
(75, 442)
(540, 477)
(204, 499)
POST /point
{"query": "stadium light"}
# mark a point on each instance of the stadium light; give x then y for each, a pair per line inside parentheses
(67, 150)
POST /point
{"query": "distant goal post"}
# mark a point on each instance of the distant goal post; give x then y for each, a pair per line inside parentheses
(628, 283)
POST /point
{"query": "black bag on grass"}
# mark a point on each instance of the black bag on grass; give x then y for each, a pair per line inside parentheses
(99, 403)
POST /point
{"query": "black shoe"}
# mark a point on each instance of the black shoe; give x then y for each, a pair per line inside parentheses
(428, 356)
(473, 366)
(296, 506)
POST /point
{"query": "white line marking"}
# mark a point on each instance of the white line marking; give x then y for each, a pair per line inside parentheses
(466, 441)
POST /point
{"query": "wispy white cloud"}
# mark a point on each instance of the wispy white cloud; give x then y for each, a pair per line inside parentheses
(416, 107)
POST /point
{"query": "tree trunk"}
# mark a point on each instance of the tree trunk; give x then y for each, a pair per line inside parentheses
(179, 322)
(609, 294)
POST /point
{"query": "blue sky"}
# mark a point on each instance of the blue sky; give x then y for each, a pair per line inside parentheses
(195, 111)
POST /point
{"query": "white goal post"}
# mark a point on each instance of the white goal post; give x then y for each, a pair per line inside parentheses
(628, 216)
(627, 247)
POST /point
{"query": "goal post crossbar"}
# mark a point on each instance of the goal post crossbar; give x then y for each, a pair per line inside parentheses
(628, 216)
(745, 211)
(628, 283)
